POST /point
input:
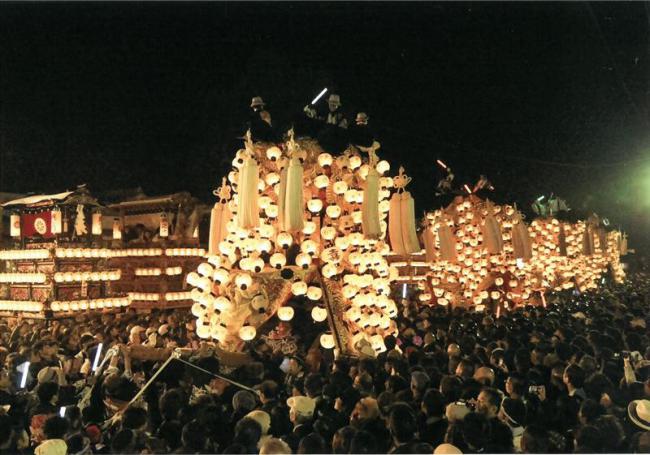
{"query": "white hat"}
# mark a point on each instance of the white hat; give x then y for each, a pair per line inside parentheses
(163, 330)
(362, 117)
(257, 101)
(261, 417)
(47, 374)
(447, 448)
(639, 413)
(52, 447)
(136, 329)
(335, 99)
(302, 405)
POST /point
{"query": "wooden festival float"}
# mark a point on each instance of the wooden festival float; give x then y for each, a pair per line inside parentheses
(481, 254)
(155, 244)
(56, 265)
(295, 228)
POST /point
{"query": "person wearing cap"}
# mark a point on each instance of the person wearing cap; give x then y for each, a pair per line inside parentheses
(301, 414)
(360, 132)
(259, 121)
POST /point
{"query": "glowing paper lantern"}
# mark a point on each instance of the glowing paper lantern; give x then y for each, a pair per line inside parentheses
(319, 314)
(327, 341)
(285, 313)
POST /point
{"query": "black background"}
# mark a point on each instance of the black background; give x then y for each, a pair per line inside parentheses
(540, 97)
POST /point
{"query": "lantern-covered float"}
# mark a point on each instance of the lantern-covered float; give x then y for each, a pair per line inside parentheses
(155, 244)
(480, 255)
(296, 229)
(56, 265)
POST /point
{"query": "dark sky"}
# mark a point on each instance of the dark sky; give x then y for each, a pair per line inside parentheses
(142, 94)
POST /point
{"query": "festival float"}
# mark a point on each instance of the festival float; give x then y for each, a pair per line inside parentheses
(56, 265)
(484, 255)
(296, 229)
(155, 244)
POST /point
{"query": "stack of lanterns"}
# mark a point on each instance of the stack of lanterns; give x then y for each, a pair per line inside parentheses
(480, 254)
(290, 211)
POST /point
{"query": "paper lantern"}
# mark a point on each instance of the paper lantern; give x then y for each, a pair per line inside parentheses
(325, 159)
(299, 288)
(284, 240)
(327, 341)
(340, 188)
(243, 281)
(56, 221)
(14, 221)
(315, 205)
(273, 153)
(333, 211)
(321, 181)
(164, 225)
(278, 260)
(203, 331)
(117, 229)
(247, 333)
(303, 260)
(314, 293)
(319, 314)
(285, 313)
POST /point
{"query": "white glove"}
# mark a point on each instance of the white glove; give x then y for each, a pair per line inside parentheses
(311, 112)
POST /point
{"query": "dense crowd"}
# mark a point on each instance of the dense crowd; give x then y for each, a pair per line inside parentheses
(571, 377)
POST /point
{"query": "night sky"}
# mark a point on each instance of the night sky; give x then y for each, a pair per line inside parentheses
(540, 97)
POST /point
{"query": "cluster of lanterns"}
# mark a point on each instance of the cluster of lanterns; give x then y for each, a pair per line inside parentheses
(294, 211)
(92, 304)
(12, 255)
(29, 306)
(155, 271)
(68, 277)
(482, 254)
(36, 277)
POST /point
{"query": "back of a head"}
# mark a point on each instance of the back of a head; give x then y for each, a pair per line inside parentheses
(342, 439)
(312, 443)
(475, 428)
(272, 446)
(170, 404)
(171, 431)
(434, 403)
(535, 439)
(123, 442)
(243, 401)
(55, 427)
(193, 439)
(402, 422)
(588, 439)
(46, 391)
(248, 432)
(313, 385)
(363, 442)
(575, 375)
(134, 418)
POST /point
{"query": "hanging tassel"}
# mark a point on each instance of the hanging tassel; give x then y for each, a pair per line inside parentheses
(395, 225)
(410, 236)
(623, 249)
(588, 242)
(521, 245)
(370, 207)
(429, 241)
(248, 212)
(294, 202)
(492, 238)
(447, 242)
(282, 193)
(220, 216)
(562, 241)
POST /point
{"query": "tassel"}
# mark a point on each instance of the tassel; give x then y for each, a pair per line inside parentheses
(492, 238)
(282, 195)
(623, 249)
(588, 242)
(429, 244)
(521, 246)
(447, 242)
(294, 205)
(409, 234)
(248, 216)
(562, 241)
(370, 207)
(395, 225)
(220, 216)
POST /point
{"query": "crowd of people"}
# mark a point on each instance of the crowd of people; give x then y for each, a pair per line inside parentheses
(573, 376)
